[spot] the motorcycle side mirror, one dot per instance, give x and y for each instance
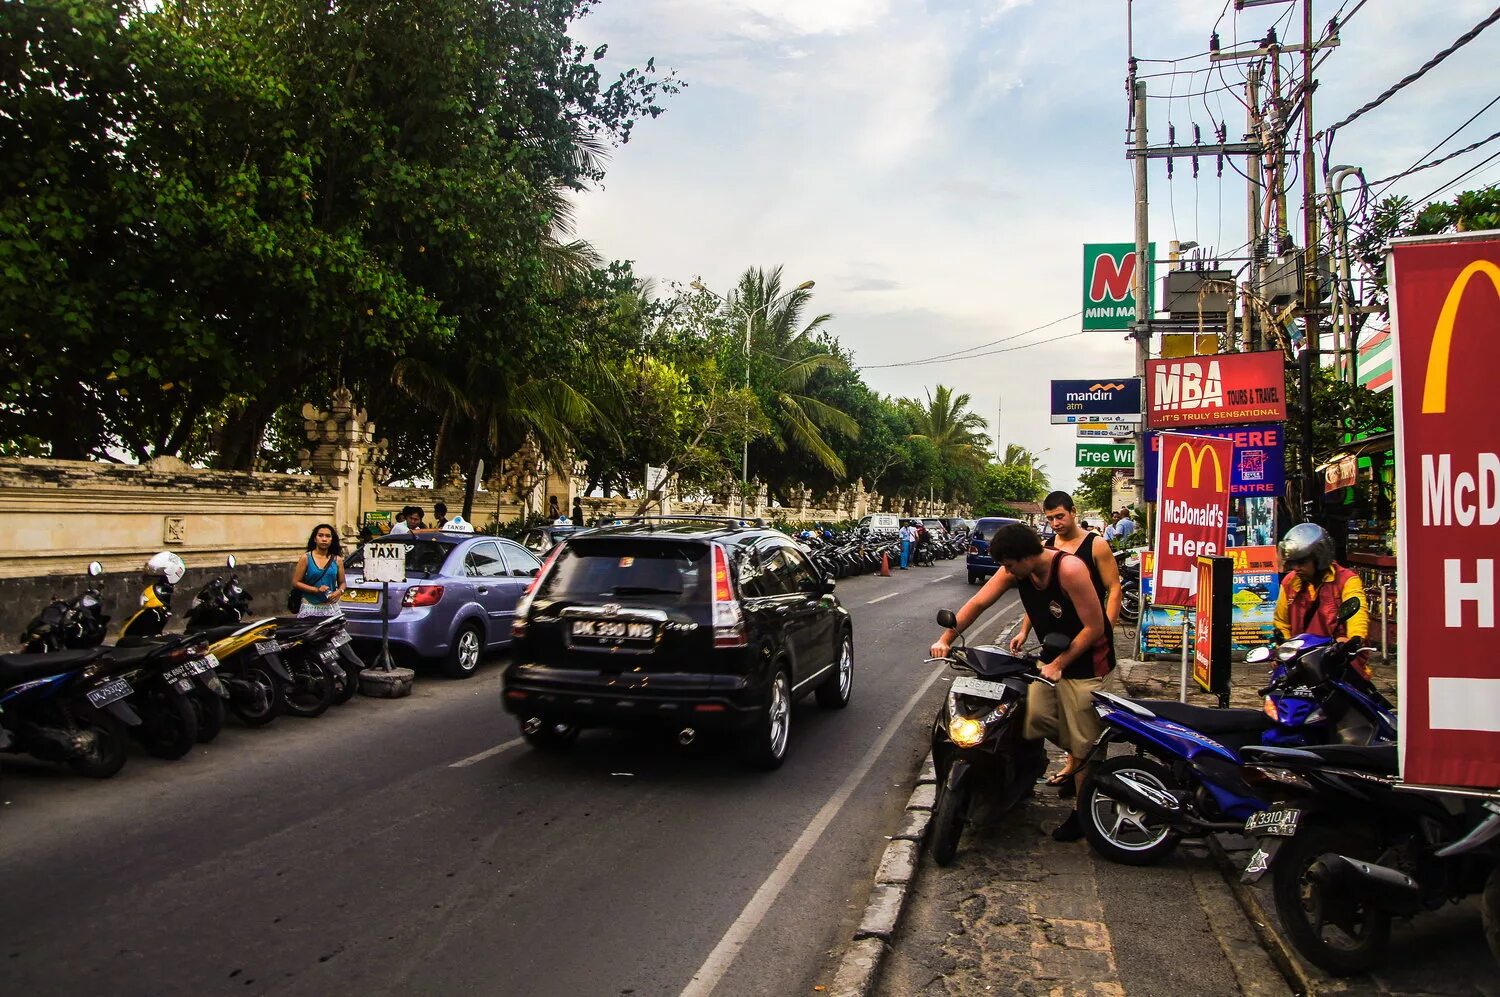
(1347, 609)
(230, 561)
(95, 569)
(1054, 644)
(1257, 655)
(946, 619)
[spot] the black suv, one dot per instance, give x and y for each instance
(691, 624)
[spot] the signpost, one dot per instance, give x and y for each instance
(1445, 297)
(1116, 399)
(1193, 520)
(1108, 273)
(1105, 455)
(1259, 468)
(385, 563)
(1211, 627)
(1218, 390)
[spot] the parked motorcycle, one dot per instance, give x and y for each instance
(62, 706)
(1185, 779)
(977, 745)
(74, 623)
(1129, 563)
(249, 658)
(1349, 848)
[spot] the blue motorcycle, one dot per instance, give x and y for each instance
(65, 707)
(1184, 777)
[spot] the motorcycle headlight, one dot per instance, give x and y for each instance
(965, 731)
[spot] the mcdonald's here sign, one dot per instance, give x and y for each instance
(1192, 519)
(1445, 311)
(1108, 284)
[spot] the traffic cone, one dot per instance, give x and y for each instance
(885, 564)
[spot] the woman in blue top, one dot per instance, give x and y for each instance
(319, 574)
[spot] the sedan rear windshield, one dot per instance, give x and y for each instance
(423, 557)
(651, 571)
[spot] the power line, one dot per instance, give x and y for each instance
(1412, 77)
(976, 356)
(1387, 181)
(965, 354)
(1458, 179)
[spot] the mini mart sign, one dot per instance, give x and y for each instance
(1105, 455)
(1108, 284)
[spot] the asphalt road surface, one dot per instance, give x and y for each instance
(417, 846)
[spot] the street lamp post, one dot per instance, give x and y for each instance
(806, 285)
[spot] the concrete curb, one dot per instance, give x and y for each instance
(1277, 946)
(859, 969)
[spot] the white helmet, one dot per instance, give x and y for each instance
(168, 565)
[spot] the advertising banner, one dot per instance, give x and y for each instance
(1259, 468)
(1108, 281)
(1211, 627)
(1193, 515)
(1106, 455)
(1106, 430)
(1116, 399)
(1445, 298)
(1220, 390)
(1253, 588)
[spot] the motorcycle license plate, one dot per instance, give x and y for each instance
(201, 665)
(339, 641)
(966, 685)
(328, 655)
(110, 692)
(1280, 823)
(267, 647)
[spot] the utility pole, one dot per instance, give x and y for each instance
(1253, 206)
(1311, 325)
(1142, 329)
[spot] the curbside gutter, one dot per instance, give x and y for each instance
(859, 969)
(1277, 946)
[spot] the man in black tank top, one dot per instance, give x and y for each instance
(1059, 595)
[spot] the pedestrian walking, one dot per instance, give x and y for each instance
(1058, 593)
(318, 576)
(908, 537)
(577, 512)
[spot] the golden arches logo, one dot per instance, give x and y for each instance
(1107, 387)
(1197, 454)
(1435, 390)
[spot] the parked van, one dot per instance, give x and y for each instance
(981, 565)
(882, 522)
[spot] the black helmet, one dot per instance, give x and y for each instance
(1306, 541)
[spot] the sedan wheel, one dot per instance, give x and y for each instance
(463, 657)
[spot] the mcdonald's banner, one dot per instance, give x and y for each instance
(1445, 311)
(1192, 518)
(1259, 460)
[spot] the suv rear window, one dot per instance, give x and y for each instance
(651, 571)
(423, 557)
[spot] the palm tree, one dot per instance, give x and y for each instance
(785, 357)
(946, 423)
(1018, 456)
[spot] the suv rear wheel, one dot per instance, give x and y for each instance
(768, 736)
(834, 692)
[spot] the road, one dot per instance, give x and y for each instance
(417, 846)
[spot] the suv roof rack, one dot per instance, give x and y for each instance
(650, 520)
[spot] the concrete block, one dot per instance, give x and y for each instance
(382, 684)
(857, 970)
(882, 912)
(928, 773)
(922, 798)
(913, 826)
(899, 863)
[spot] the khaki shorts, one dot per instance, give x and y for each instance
(1065, 715)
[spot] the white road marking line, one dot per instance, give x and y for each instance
(722, 957)
(943, 578)
(464, 763)
(883, 598)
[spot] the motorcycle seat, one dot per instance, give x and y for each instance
(212, 635)
(21, 667)
(1381, 759)
(1208, 719)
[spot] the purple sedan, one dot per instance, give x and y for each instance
(458, 600)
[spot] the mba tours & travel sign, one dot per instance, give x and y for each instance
(1108, 284)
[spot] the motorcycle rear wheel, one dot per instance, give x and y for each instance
(1362, 933)
(208, 707)
(169, 724)
(1489, 906)
(311, 690)
(108, 754)
(264, 701)
(1107, 822)
(948, 820)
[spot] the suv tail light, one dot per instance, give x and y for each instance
(729, 623)
(523, 604)
(422, 595)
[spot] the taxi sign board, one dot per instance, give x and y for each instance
(385, 562)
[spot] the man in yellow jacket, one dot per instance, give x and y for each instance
(1315, 586)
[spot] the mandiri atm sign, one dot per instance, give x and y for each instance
(1192, 518)
(1108, 284)
(1445, 312)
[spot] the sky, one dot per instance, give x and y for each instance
(936, 165)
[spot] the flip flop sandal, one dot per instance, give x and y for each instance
(1064, 783)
